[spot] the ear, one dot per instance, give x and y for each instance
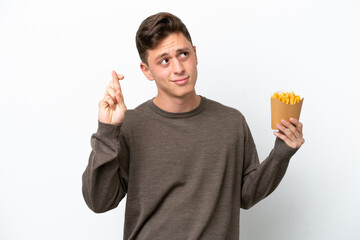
(194, 47)
(145, 69)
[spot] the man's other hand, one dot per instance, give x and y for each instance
(291, 133)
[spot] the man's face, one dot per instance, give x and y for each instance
(173, 66)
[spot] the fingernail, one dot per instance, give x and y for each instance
(278, 125)
(283, 121)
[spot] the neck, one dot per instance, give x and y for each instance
(177, 105)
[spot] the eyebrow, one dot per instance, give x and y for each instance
(177, 51)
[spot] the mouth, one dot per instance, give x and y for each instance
(181, 81)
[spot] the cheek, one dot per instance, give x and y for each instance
(165, 72)
(192, 67)
(161, 73)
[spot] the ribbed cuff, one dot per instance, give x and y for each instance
(282, 150)
(110, 130)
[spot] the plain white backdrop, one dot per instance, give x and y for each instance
(56, 59)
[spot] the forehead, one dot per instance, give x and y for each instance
(170, 44)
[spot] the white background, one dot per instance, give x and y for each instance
(56, 59)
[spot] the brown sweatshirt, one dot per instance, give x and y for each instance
(186, 175)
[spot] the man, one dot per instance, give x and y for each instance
(186, 163)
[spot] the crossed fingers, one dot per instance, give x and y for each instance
(113, 93)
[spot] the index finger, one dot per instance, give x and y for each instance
(115, 83)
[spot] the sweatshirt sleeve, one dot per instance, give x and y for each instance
(105, 179)
(259, 180)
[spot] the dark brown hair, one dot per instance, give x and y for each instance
(154, 29)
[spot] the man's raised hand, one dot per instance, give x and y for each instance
(112, 107)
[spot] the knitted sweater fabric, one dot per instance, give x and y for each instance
(186, 175)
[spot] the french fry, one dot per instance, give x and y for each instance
(287, 97)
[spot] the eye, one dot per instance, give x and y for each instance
(184, 54)
(164, 61)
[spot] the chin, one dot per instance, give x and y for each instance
(185, 94)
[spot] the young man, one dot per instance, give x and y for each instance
(186, 163)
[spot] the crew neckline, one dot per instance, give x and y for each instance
(167, 114)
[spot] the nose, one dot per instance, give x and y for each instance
(178, 67)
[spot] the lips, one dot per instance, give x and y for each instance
(181, 81)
